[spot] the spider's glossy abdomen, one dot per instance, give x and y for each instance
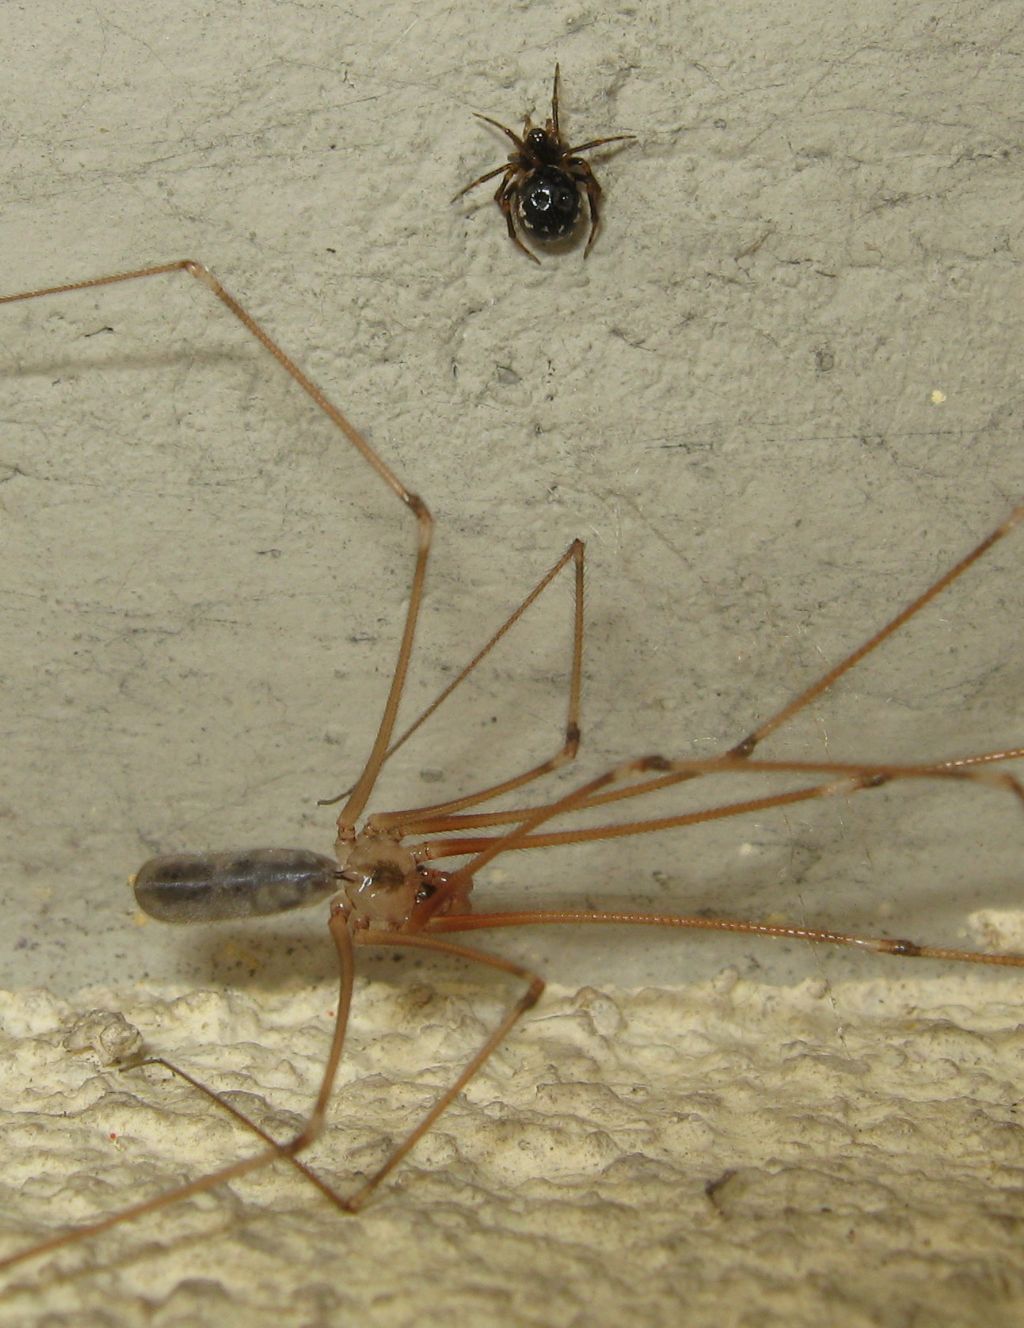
(549, 203)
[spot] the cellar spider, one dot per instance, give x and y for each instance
(386, 892)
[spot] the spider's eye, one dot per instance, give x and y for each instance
(536, 139)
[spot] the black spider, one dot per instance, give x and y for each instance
(542, 181)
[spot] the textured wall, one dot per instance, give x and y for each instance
(778, 399)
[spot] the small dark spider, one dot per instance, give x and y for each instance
(542, 181)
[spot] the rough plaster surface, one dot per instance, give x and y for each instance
(750, 1154)
(779, 398)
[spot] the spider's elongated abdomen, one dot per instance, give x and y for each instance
(212, 887)
(549, 203)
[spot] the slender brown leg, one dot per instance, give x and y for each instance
(314, 1124)
(505, 199)
(433, 820)
(680, 771)
(850, 779)
(498, 170)
(828, 679)
(396, 821)
(343, 942)
(598, 142)
(239, 1116)
(204, 275)
(504, 129)
(582, 172)
(364, 785)
(554, 105)
(724, 763)
(528, 999)
(901, 948)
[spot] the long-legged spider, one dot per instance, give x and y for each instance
(385, 892)
(542, 180)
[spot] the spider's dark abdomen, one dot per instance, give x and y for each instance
(549, 203)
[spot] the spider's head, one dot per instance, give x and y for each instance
(542, 144)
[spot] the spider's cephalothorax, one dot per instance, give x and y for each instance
(541, 184)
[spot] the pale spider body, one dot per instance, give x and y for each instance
(382, 889)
